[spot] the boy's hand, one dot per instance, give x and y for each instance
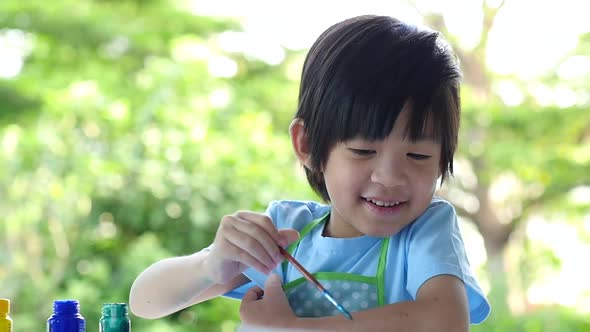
(273, 310)
(246, 239)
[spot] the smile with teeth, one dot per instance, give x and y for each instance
(382, 203)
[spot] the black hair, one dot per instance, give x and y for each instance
(358, 76)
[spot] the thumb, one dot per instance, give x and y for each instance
(272, 286)
(253, 294)
(290, 235)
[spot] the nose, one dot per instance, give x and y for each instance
(389, 172)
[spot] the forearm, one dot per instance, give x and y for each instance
(169, 285)
(404, 316)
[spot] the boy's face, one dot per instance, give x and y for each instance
(379, 187)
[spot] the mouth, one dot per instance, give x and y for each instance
(383, 203)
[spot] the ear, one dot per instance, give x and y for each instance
(299, 141)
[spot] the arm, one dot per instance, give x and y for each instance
(243, 239)
(173, 284)
(441, 305)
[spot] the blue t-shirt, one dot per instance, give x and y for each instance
(430, 246)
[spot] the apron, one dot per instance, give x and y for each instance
(353, 291)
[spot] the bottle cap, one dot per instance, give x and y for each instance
(4, 306)
(114, 309)
(65, 307)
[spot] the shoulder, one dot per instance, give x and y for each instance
(434, 247)
(440, 215)
(295, 214)
(437, 207)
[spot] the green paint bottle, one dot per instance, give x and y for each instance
(5, 320)
(115, 318)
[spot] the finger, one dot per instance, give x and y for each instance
(263, 221)
(244, 237)
(290, 235)
(237, 254)
(253, 294)
(264, 239)
(272, 286)
(246, 310)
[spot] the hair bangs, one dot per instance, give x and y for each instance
(368, 113)
(421, 123)
(370, 93)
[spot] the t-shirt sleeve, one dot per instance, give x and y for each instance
(435, 247)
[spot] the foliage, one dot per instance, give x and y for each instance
(122, 142)
(119, 147)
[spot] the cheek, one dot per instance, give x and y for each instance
(425, 177)
(343, 179)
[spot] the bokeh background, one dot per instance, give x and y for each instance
(128, 128)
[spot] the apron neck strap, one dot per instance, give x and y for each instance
(380, 266)
(304, 231)
(381, 271)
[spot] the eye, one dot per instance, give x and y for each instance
(418, 156)
(362, 152)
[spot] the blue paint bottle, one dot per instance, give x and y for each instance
(66, 317)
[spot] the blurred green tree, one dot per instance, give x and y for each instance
(128, 128)
(516, 161)
(127, 131)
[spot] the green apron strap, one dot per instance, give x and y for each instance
(380, 267)
(304, 231)
(381, 272)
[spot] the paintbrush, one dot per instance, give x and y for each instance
(315, 282)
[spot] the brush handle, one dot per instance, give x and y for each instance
(301, 269)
